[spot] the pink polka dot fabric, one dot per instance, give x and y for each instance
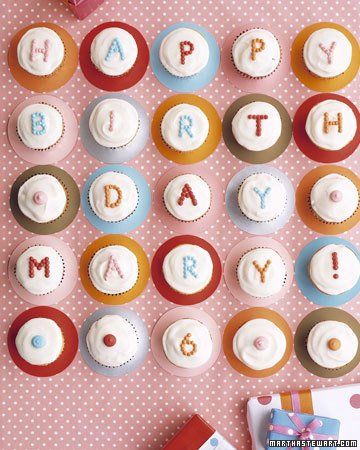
(79, 408)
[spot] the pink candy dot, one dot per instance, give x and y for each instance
(261, 343)
(264, 399)
(336, 196)
(40, 198)
(355, 401)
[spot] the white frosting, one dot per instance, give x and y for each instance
(114, 122)
(188, 268)
(266, 59)
(321, 269)
(114, 269)
(40, 126)
(51, 204)
(262, 197)
(333, 139)
(50, 56)
(178, 201)
(178, 345)
(245, 129)
(39, 341)
(128, 199)
(318, 61)
(318, 344)
(125, 342)
(185, 127)
(259, 344)
(113, 51)
(40, 282)
(250, 278)
(323, 204)
(194, 59)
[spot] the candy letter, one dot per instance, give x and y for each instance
(262, 270)
(187, 193)
(38, 124)
(34, 50)
(258, 118)
(111, 121)
(186, 48)
(262, 195)
(114, 48)
(328, 123)
(328, 51)
(185, 125)
(185, 343)
(113, 265)
(257, 45)
(189, 266)
(44, 263)
(112, 187)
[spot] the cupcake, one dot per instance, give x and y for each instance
(256, 53)
(259, 344)
(187, 197)
(184, 52)
(185, 127)
(334, 198)
(262, 197)
(40, 341)
(114, 123)
(187, 343)
(257, 126)
(112, 341)
(261, 272)
(114, 270)
(113, 51)
(331, 125)
(188, 269)
(42, 198)
(332, 344)
(40, 126)
(40, 51)
(40, 269)
(113, 196)
(334, 269)
(327, 53)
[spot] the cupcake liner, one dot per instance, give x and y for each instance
(133, 220)
(204, 222)
(308, 288)
(192, 83)
(303, 206)
(250, 156)
(143, 342)
(70, 271)
(50, 82)
(204, 150)
(121, 154)
(303, 331)
(240, 319)
(114, 83)
(70, 341)
(306, 145)
(243, 81)
(61, 148)
(238, 217)
(169, 318)
(167, 291)
(232, 262)
(313, 81)
(72, 205)
(143, 275)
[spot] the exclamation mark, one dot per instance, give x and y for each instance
(335, 264)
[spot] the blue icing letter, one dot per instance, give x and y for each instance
(38, 341)
(262, 195)
(185, 125)
(38, 123)
(189, 266)
(115, 47)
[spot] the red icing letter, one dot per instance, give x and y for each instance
(258, 118)
(45, 262)
(185, 52)
(187, 193)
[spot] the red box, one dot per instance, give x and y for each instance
(192, 436)
(82, 8)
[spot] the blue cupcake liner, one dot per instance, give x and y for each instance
(304, 282)
(131, 222)
(186, 84)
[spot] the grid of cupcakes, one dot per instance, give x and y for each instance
(327, 128)
(42, 57)
(325, 57)
(114, 56)
(185, 57)
(256, 128)
(254, 59)
(186, 129)
(327, 199)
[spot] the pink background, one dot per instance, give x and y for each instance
(78, 408)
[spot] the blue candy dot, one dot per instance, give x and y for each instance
(214, 442)
(38, 341)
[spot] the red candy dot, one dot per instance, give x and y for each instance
(109, 340)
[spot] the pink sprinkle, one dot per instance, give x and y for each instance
(336, 196)
(113, 265)
(261, 343)
(328, 51)
(42, 50)
(40, 198)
